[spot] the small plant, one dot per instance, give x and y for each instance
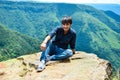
(116, 75)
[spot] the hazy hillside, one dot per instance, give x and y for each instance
(108, 7)
(14, 44)
(113, 15)
(96, 32)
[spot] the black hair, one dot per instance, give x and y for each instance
(66, 20)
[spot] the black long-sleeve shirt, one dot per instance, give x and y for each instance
(63, 40)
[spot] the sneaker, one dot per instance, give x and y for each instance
(41, 66)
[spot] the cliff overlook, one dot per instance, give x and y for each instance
(95, 27)
(81, 66)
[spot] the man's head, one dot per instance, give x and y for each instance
(66, 23)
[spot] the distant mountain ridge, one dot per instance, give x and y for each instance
(113, 15)
(96, 32)
(107, 7)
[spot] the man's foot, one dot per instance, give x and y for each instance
(41, 66)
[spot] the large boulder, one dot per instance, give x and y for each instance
(81, 66)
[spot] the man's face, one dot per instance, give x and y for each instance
(66, 27)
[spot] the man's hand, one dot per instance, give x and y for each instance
(73, 50)
(43, 46)
(73, 53)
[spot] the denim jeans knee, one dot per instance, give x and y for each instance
(69, 52)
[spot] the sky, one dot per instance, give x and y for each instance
(77, 1)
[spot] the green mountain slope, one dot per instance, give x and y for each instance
(102, 17)
(95, 36)
(96, 32)
(13, 44)
(28, 18)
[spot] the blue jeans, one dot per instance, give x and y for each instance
(53, 52)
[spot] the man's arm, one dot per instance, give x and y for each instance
(51, 35)
(43, 45)
(72, 43)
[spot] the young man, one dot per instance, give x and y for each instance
(57, 48)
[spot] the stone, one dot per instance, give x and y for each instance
(81, 66)
(2, 72)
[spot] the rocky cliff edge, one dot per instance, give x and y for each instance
(81, 66)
